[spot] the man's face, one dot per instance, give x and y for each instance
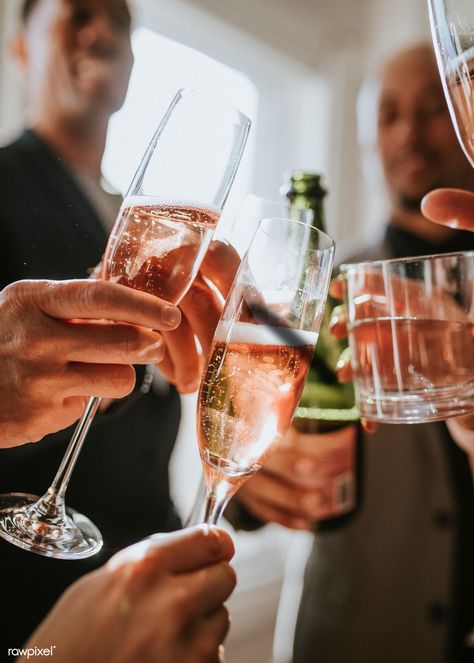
(416, 139)
(79, 56)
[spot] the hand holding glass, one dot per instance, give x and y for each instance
(156, 245)
(261, 353)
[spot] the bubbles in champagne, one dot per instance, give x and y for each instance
(249, 393)
(157, 246)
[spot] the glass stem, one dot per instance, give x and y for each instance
(53, 501)
(217, 498)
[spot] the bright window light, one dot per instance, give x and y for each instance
(161, 67)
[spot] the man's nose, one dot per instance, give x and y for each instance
(410, 128)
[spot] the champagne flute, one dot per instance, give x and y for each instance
(158, 241)
(244, 226)
(260, 354)
(452, 29)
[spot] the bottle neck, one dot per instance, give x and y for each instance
(300, 201)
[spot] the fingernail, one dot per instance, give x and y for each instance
(337, 315)
(214, 537)
(344, 359)
(171, 315)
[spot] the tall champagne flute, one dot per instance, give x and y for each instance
(260, 354)
(244, 226)
(158, 241)
(452, 28)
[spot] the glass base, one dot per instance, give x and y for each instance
(69, 535)
(403, 408)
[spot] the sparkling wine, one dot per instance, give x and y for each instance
(249, 393)
(424, 361)
(461, 89)
(157, 246)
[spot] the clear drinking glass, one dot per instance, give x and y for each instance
(251, 211)
(160, 236)
(412, 337)
(260, 354)
(452, 28)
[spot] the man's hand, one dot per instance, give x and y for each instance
(454, 208)
(56, 350)
(159, 600)
(201, 309)
(296, 484)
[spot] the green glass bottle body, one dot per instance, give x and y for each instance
(326, 405)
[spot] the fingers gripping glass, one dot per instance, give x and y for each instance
(260, 355)
(158, 241)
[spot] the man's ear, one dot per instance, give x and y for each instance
(18, 50)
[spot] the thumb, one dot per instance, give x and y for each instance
(178, 552)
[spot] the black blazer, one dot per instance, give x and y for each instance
(48, 229)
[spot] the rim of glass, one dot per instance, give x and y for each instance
(204, 97)
(346, 267)
(274, 203)
(331, 243)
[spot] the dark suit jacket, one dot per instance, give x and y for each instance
(48, 229)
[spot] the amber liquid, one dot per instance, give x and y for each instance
(421, 369)
(248, 396)
(157, 246)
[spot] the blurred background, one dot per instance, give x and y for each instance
(296, 68)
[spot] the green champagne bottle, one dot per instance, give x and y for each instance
(327, 405)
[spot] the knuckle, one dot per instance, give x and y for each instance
(120, 380)
(13, 293)
(93, 294)
(134, 341)
(35, 346)
(198, 299)
(89, 295)
(183, 606)
(183, 601)
(33, 388)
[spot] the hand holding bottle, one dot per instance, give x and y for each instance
(307, 478)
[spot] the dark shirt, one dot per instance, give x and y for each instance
(401, 244)
(50, 230)
(395, 583)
